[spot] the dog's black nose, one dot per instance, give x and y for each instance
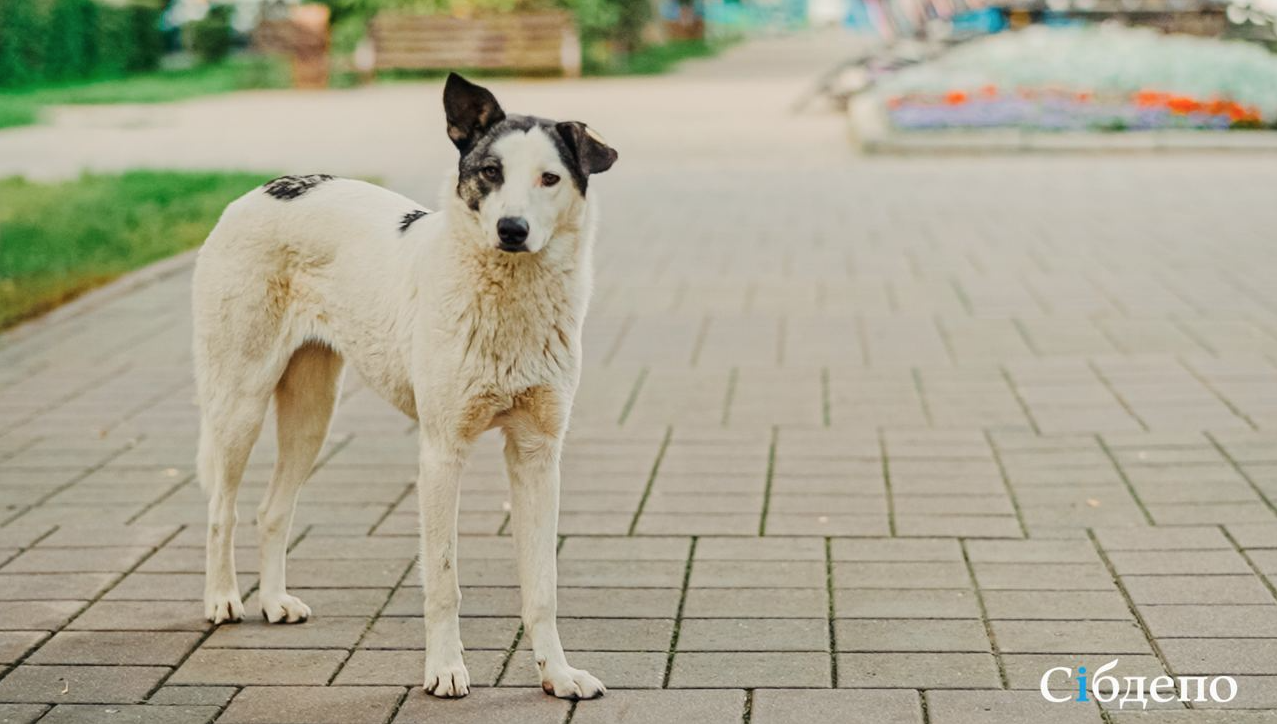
(513, 232)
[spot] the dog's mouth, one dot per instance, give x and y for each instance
(513, 248)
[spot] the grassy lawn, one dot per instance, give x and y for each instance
(59, 240)
(22, 107)
(656, 59)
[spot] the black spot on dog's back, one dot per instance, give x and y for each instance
(411, 217)
(286, 188)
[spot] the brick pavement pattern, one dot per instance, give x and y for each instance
(858, 439)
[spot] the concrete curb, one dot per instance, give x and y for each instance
(872, 132)
(99, 296)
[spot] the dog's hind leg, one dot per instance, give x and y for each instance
(304, 402)
(532, 458)
(438, 491)
(228, 430)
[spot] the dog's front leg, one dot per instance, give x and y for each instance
(533, 462)
(438, 486)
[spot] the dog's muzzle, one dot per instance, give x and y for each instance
(513, 233)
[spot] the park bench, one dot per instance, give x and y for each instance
(529, 42)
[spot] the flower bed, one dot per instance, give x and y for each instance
(1089, 78)
(1060, 109)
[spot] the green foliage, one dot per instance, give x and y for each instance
(22, 37)
(44, 41)
(212, 37)
(62, 239)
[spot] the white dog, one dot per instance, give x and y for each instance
(465, 320)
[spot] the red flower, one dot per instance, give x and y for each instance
(1182, 105)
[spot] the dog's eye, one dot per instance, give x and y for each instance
(491, 173)
(549, 179)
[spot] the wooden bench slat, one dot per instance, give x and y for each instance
(520, 41)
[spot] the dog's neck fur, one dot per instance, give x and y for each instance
(516, 312)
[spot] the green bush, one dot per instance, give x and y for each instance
(212, 37)
(43, 41)
(22, 25)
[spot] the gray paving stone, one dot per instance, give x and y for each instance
(1009, 707)
(659, 707)
(900, 575)
(313, 704)
(116, 648)
(1025, 671)
(896, 549)
(615, 603)
(409, 633)
(616, 669)
(1220, 656)
(753, 634)
(147, 536)
(611, 634)
(21, 713)
(142, 616)
(917, 671)
(135, 714)
(771, 548)
(483, 706)
(1057, 605)
(744, 574)
(1069, 637)
(1211, 621)
(738, 669)
(1193, 717)
(627, 549)
(279, 667)
(79, 684)
(1043, 576)
(1031, 551)
(1204, 590)
(779, 706)
(756, 603)
(408, 668)
(76, 560)
(1178, 563)
(906, 603)
(37, 615)
(15, 644)
(901, 635)
(319, 632)
(193, 696)
(53, 586)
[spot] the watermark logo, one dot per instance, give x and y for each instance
(1103, 687)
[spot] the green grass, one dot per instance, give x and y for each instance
(22, 107)
(62, 239)
(655, 59)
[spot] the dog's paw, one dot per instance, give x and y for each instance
(284, 609)
(223, 608)
(570, 683)
(447, 681)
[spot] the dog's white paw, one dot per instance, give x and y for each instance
(448, 681)
(570, 683)
(223, 607)
(284, 608)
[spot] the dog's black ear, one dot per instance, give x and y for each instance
(591, 152)
(471, 110)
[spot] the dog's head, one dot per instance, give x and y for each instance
(521, 177)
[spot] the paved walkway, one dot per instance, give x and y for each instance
(859, 440)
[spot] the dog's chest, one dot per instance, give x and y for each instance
(511, 342)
